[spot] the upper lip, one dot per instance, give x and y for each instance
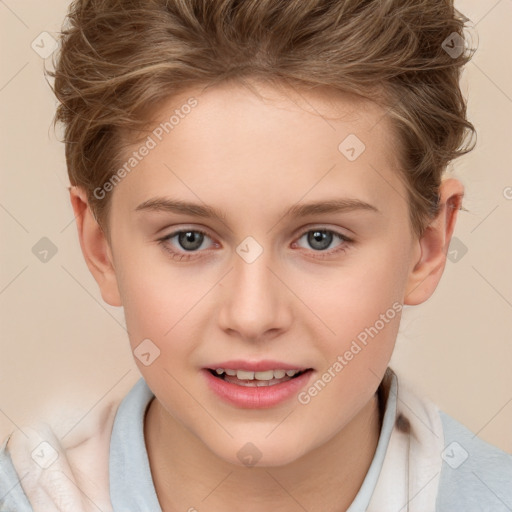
(256, 366)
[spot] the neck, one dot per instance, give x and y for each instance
(327, 479)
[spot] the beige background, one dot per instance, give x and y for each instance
(63, 349)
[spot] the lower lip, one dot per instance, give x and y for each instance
(256, 397)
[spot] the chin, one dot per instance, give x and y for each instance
(260, 454)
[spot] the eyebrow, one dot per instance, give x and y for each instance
(164, 204)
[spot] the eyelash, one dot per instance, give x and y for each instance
(186, 256)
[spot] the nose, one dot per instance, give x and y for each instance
(255, 303)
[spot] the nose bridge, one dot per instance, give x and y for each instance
(254, 302)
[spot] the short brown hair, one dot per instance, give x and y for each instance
(119, 59)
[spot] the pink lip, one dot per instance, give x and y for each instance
(256, 397)
(256, 366)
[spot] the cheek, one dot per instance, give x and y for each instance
(365, 319)
(166, 306)
(360, 306)
(355, 294)
(157, 295)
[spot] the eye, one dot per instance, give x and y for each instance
(320, 240)
(184, 244)
(187, 241)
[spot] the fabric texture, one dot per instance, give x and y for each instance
(476, 475)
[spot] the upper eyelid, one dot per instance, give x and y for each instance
(321, 227)
(343, 238)
(175, 233)
(301, 231)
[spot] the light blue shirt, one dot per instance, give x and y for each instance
(482, 483)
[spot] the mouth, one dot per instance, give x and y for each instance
(257, 378)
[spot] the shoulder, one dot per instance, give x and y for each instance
(66, 463)
(12, 497)
(43, 469)
(474, 474)
(469, 473)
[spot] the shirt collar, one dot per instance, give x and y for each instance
(387, 390)
(131, 483)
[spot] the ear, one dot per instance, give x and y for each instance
(433, 245)
(95, 247)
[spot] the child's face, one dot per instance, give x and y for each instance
(295, 303)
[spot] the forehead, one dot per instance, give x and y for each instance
(282, 142)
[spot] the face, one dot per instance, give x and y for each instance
(271, 280)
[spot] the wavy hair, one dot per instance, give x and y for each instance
(120, 59)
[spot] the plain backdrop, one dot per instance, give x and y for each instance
(64, 349)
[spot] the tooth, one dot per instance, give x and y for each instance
(243, 375)
(264, 376)
(267, 375)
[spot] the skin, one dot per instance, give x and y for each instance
(252, 156)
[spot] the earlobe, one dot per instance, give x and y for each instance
(426, 272)
(95, 247)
